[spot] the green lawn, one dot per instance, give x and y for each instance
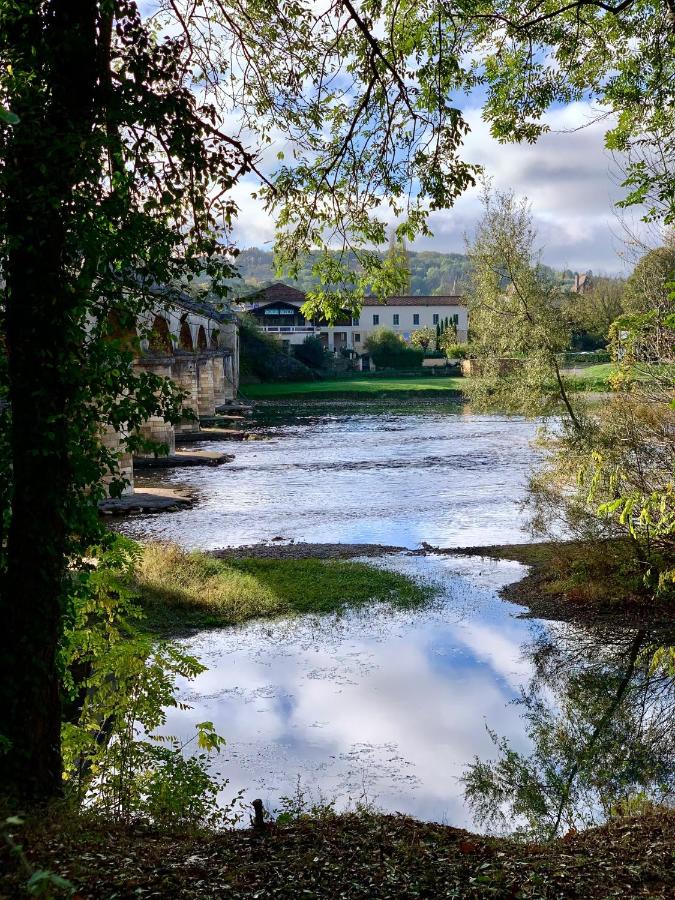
(592, 378)
(364, 385)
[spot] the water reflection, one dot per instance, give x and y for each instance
(384, 704)
(600, 714)
(563, 724)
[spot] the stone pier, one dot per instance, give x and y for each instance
(197, 347)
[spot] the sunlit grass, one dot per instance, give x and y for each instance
(179, 589)
(364, 385)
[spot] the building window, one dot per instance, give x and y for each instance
(355, 322)
(376, 320)
(395, 318)
(455, 319)
(435, 319)
(416, 318)
(357, 338)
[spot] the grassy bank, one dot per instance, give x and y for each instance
(582, 581)
(192, 590)
(368, 385)
(593, 378)
(350, 857)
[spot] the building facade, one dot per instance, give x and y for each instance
(277, 310)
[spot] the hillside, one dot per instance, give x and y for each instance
(431, 272)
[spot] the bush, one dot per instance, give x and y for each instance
(456, 351)
(261, 356)
(118, 684)
(389, 351)
(586, 359)
(311, 352)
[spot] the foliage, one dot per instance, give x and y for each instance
(119, 684)
(515, 313)
(389, 351)
(311, 352)
(181, 589)
(447, 339)
(647, 294)
(117, 168)
(591, 314)
(423, 338)
(261, 356)
(617, 479)
(455, 351)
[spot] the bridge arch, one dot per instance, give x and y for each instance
(185, 337)
(202, 343)
(159, 339)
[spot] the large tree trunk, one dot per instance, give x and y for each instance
(43, 167)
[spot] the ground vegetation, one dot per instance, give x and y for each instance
(355, 856)
(181, 590)
(389, 350)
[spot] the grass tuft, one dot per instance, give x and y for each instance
(179, 589)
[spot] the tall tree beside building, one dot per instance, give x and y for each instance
(400, 259)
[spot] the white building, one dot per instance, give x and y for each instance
(277, 311)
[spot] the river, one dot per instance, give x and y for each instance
(385, 707)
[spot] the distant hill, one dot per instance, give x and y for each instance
(431, 273)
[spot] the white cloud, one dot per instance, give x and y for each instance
(568, 176)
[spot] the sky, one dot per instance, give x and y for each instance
(571, 181)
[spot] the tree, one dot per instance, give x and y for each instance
(104, 193)
(116, 168)
(448, 338)
(400, 259)
(591, 314)
(515, 312)
(423, 338)
(115, 179)
(311, 352)
(648, 293)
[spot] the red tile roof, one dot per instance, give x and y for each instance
(453, 300)
(278, 292)
(275, 293)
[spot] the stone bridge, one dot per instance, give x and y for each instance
(197, 347)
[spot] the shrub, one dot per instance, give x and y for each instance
(389, 351)
(262, 356)
(456, 351)
(423, 338)
(118, 684)
(311, 352)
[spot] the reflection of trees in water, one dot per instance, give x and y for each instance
(600, 713)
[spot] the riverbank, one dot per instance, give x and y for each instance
(349, 856)
(589, 379)
(566, 581)
(179, 590)
(576, 581)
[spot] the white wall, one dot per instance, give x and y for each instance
(358, 334)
